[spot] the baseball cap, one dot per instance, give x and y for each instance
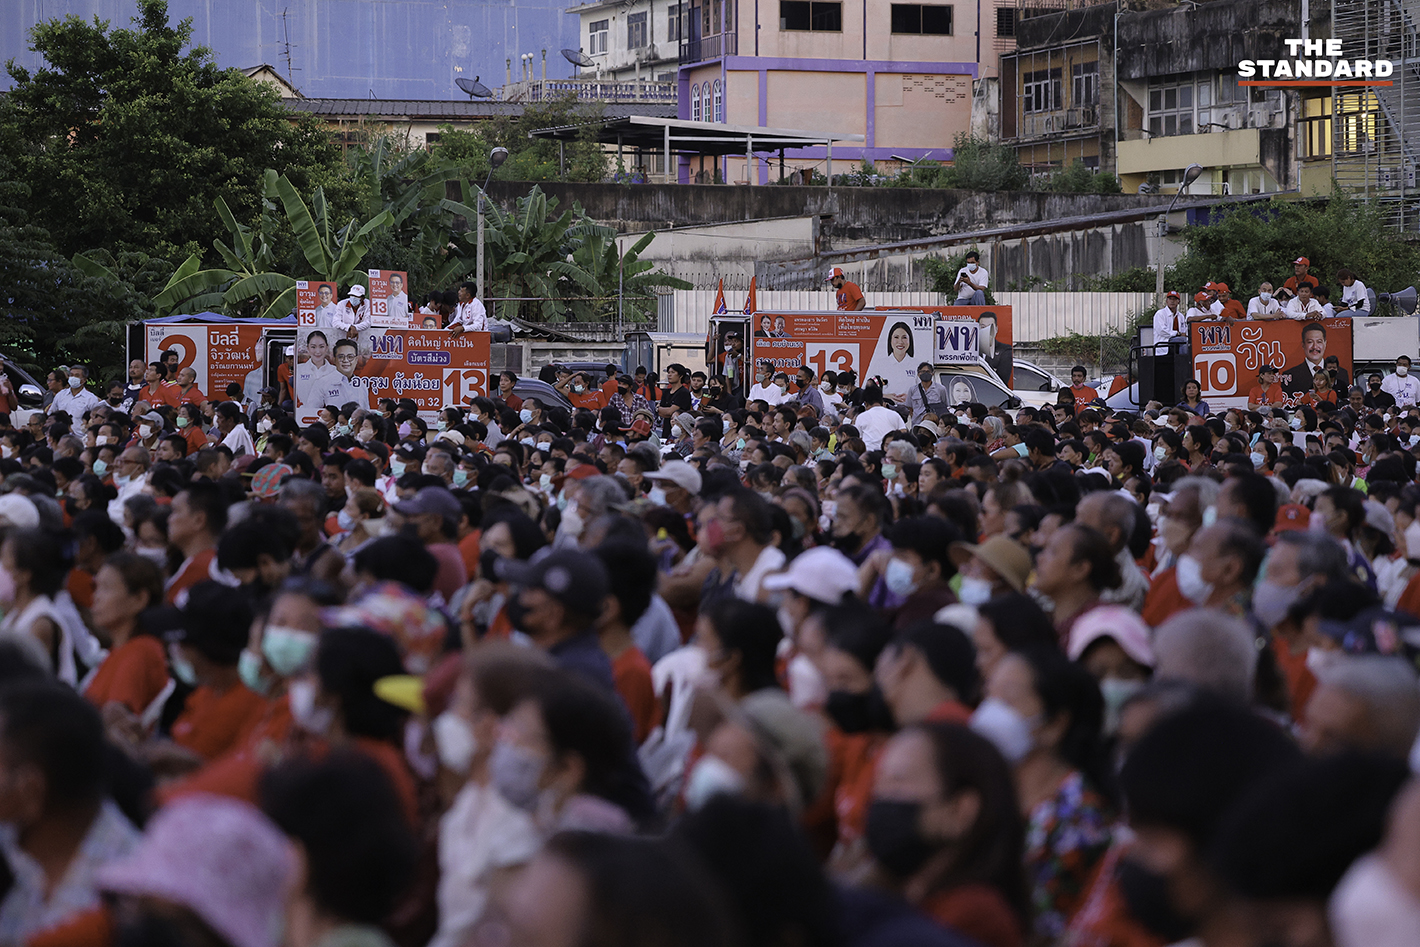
(833, 273)
(200, 838)
(1121, 624)
(1221, 288)
(1199, 297)
(431, 500)
(357, 290)
(1292, 516)
(290, 350)
(216, 621)
(822, 574)
(19, 511)
(680, 473)
(452, 437)
(1267, 368)
(1375, 630)
(1172, 292)
(266, 483)
(1006, 557)
(1302, 260)
(576, 579)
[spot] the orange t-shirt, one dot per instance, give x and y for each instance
(1273, 395)
(1300, 680)
(978, 911)
(191, 572)
(849, 296)
(133, 674)
(167, 394)
(855, 787)
(1409, 601)
(212, 724)
(1164, 599)
(283, 378)
(92, 928)
(237, 772)
(193, 395)
(1083, 394)
(469, 548)
(632, 674)
(1103, 919)
(81, 587)
(196, 438)
(1232, 309)
(593, 399)
(1291, 284)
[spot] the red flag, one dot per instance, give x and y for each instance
(751, 302)
(719, 299)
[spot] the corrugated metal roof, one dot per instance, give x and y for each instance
(411, 110)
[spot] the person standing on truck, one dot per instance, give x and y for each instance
(1402, 386)
(1299, 277)
(1169, 323)
(971, 281)
(469, 315)
(849, 296)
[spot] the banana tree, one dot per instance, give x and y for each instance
(627, 282)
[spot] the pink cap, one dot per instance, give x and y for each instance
(1121, 624)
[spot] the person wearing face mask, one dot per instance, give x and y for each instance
(75, 398)
(360, 520)
(738, 533)
(1377, 399)
(971, 281)
(817, 579)
(858, 523)
(998, 566)
(135, 672)
(766, 389)
(1377, 901)
(943, 833)
(1264, 306)
(564, 755)
(1180, 517)
(1402, 386)
(911, 580)
(1113, 644)
(1220, 567)
(1044, 714)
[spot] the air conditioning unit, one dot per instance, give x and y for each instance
(1087, 116)
(1072, 118)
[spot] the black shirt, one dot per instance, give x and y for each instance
(680, 399)
(1380, 400)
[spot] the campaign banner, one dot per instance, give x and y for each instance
(389, 299)
(219, 354)
(1227, 356)
(994, 336)
(429, 366)
(313, 298)
(874, 344)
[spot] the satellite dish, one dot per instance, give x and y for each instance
(578, 58)
(474, 88)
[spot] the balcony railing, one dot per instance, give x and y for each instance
(714, 46)
(591, 90)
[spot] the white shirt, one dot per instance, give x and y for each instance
(238, 441)
(310, 381)
(1356, 292)
(471, 315)
(769, 393)
(343, 316)
(980, 278)
(1216, 307)
(481, 835)
(771, 559)
(1405, 391)
(876, 423)
(1256, 307)
(74, 402)
(397, 308)
(1195, 314)
(1295, 309)
(1168, 324)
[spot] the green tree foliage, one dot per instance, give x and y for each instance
(942, 274)
(125, 136)
(1244, 245)
(1079, 179)
(529, 159)
(981, 165)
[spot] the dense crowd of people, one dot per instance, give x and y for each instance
(803, 667)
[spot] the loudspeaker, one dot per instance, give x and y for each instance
(1161, 377)
(1403, 300)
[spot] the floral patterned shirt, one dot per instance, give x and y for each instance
(1066, 835)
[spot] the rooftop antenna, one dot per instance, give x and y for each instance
(474, 88)
(286, 48)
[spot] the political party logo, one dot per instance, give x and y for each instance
(1315, 62)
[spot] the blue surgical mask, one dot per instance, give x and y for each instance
(287, 649)
(100, 468)
(889, 471)
(182, 667)
(249, 670)
(525, 415)
(460, 477)
(397, 469)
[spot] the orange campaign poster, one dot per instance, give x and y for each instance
(993, 337)
(219, 354)
(313, 298)
(429, 366)
(389, 299)
(1227, 356)
(886, 344)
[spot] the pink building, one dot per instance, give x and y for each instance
(900, 74)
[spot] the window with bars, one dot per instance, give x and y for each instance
(719, 103)
(1171, 109)
(597, 33)
(1042, 90)
(1005, 21)
(1316, 127)
(635, 31)
(695, 103)
(675, 16)
(919, 18)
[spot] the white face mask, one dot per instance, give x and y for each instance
(972, 267)
(1190, 580)
(308, 716)
(1402, 370)
(74, 382)
(145, 431)
(711, 777)
(974, 591)
(827, 388)
(1265, 297)
(454, 739)
(1319, 660)
(1004, 726)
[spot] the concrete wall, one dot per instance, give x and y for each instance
(854, 216)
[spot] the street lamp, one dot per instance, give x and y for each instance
(496, 157)
(1190, 174)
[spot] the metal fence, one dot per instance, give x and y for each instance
(1034, 316)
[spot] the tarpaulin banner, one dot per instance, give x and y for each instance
(429, 366)
(1228, 354)
(993, 336)
(219, 354)
(874, 344)
(313, 298)
(389, 299)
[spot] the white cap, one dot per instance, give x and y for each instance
(290, 350)
(822, 574)
(19, 511)
(357, 290)
(679, 473)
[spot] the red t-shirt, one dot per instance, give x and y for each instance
(193, 395)
(977, 910)
(212, 724)
(451, 575)
(632, 674)
(1083, 394)
(849, 296)
(192, 571)
(1273, 395)
(167, 394)
(1164, 599)
(133, 675)
(1232, 309)
(81, 587)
